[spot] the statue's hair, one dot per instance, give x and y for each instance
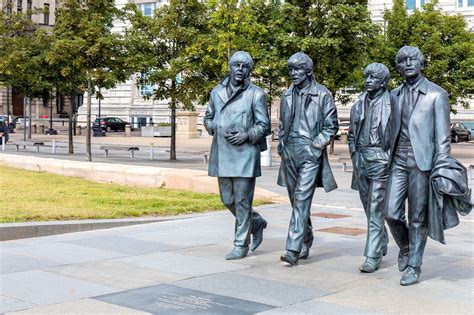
(241, 56)
(411, 51)
(300, 58)
(378, 70)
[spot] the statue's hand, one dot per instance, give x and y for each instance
(237, 138)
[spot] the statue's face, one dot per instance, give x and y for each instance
(239, 71)
(299, 75)
(409, 67)
(373, 83)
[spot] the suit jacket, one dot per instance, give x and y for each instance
(355, 127)
(321, 113)
(246, 109)
(428, 126)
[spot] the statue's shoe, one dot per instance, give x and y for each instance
(370, 264)
(410, 276)
(257, 237)
(403, 257)
(290, 257)
(305, 250)
(238, 252)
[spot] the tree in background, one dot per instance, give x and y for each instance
(446, 45)
(88, 56)
(157, 47)
(23, 64)
(253, 26)
(337, 34)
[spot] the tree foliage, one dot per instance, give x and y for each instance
(444, 41)
(23, 65)
(158, 45)
(337, 34)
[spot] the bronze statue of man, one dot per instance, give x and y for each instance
(237, 118)
(369, 145)
(419, 131)
(308, 121)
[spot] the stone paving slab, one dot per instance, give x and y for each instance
(65, 253)
(116, 274)
(258, 290)
(13, 262)
(124, 245)
(81, 307)
(9, 304)
(43, 288)
(168, 299)
(180, 264)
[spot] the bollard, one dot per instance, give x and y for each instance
(266, 156)
(78, 130)
(128, 130)
(152, 153)
(18, 126)
(41, 129)
(33, 128)
(53, 150)
(3, 143)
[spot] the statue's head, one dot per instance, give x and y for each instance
(240, 66)
(409, 61)
(376, 77)
(300, 67)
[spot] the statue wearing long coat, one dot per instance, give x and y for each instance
(245, 109)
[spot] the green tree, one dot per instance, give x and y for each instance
(253, 26)
(23, 64)
(157, 45)
(337, 34)
(87, 55)
(445, 42)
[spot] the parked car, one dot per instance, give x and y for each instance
(3, 117)
(470, 126)
(275, 132)
(109, 123)
(343, 130)
(460, 132)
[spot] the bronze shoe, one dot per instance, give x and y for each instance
(238, 252)
(370, 264)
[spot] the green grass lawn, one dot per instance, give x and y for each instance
(38, 196)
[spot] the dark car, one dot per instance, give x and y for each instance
(459, 132)
(3, 131)
(470, 126)
(109, 123)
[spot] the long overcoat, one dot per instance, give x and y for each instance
(428, 126)
(321, 115)
(357, 121)
(245, 109)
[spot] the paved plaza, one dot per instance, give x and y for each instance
(178, 266)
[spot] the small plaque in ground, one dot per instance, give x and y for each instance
(343, 230)
(328, 215)
(169, 299)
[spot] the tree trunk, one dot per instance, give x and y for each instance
(70, 134)
(88, 121)
(173, 123)
(25, 114)
(29, 118)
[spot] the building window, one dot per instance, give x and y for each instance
(147, 8)
(465, 3)
(19, 6)
(145, 88)
(29, 7)
(46, 14)
(9, 7)
(415, 4)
